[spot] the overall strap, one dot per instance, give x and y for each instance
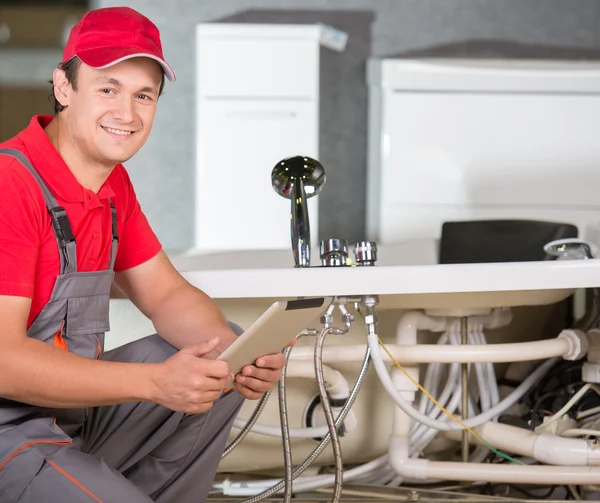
(115, 235)
(60, 221)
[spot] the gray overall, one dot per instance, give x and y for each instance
(130, 453)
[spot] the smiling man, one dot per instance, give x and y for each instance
(149, 420)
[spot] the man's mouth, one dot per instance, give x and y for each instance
(120, 132)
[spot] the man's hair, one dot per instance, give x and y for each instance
(71, 69)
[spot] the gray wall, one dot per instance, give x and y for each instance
(163, 172)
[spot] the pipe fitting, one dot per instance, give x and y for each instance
(578, 341)
(421, 469)
(545, 448)
(552, 450)
(347, 317)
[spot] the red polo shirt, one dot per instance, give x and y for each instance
(29, 259)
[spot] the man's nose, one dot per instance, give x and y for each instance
(124, 109)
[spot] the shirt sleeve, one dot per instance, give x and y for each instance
(137, 241)
(22, 213)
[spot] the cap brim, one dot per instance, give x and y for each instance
(107, 57)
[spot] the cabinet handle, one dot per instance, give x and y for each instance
(4, 33)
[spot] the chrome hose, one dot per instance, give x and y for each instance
(285, 432)
(253, 418)
(343, 413)
(335, 441)
(259, 407)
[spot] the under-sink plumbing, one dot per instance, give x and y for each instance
(299, 178)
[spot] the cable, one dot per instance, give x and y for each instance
(422, 435)
(525, 492)
(584, 389)
(274, 431)
(588, 412)
(434, 424)
(580, 432)
(385, 379)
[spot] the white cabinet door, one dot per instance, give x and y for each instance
(238, 144)
(250, 67)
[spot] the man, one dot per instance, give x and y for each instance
(149, 420)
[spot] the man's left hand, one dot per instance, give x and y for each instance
(255, 380)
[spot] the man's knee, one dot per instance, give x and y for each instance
(151, 349)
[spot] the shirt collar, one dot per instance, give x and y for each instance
(52, 167)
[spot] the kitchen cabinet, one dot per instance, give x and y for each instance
(257, 101)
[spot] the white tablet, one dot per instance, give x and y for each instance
(273, 331)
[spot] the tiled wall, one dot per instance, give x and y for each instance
(163, 171)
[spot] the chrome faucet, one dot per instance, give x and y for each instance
(571, 249)
(298, 179)
(578, 249)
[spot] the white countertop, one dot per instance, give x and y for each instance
(417, 283)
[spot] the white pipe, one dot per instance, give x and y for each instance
(302, 483)
(484, 417)
(545, 448)
(335, 383)
(336, 386)
(406, 334)
(421, 469)
(433, 353)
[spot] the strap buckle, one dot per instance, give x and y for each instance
(62, 226)
(115, 226)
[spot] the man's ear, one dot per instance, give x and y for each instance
(62, 86)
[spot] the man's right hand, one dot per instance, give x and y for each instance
(188, 383)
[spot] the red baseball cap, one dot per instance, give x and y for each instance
(105, 37)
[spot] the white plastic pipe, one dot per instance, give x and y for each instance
(422, 469)
(303, 483)
(336, 386)
(335, 383)
(433, 353)
(545, 448)
(406, 334)
(486, 416)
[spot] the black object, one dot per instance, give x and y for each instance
(480, 241)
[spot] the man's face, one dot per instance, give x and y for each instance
(110, 115)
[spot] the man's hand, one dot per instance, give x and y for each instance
(189, 383)
(255, 380)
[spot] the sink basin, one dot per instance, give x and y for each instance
(406, 277)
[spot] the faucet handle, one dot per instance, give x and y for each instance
(365, 253)
(334, 252)
(571, 248)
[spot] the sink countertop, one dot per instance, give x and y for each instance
(416, 281)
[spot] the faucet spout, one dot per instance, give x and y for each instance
(298, 179)
(300, 225)
(571, 249)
